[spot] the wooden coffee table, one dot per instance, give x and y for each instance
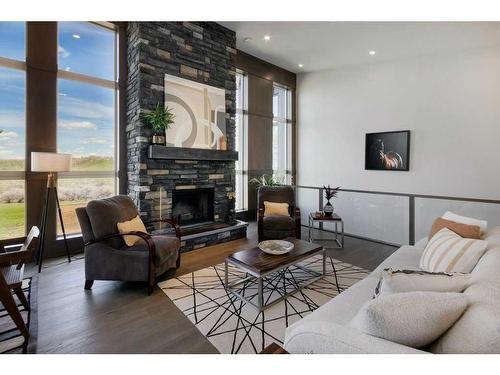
(259, 265)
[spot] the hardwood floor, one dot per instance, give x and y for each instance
(117, 317)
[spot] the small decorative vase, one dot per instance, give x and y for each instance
(158, 139)
(328, 209)
(222, 142)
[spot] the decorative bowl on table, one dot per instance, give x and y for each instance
(276, 247)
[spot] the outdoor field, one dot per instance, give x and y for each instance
(73, 193)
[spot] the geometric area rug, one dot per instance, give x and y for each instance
(234, 326)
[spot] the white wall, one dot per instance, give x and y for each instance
(451, 104)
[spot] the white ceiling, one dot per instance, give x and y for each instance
(330, 45)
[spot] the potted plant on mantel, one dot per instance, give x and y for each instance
(329, 194)
(159, 120)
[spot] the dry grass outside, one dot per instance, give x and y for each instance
(73, 193)
(76, 193)
(71, 224)
(12, 219)
(86, 163)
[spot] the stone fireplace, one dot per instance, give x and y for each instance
(160, 177)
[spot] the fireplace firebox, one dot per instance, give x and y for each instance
(193, 206)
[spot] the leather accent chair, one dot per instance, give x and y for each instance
(278, 227)
(107, 257)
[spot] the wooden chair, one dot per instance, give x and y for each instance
(11, 278)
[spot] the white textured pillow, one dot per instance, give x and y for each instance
(476, 332)
(482, 224)
(448, 252)
(401, 281)
(413, 319)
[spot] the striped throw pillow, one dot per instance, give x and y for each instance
(449, 252)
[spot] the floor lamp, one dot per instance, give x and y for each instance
(50, 162)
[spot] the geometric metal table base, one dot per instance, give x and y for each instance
(282, 274)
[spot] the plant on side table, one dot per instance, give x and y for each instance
(329, 194)
(159, 120)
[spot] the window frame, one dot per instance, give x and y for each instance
(18, 65)
(104, 83)
(242, 147)
(288, 142)
(45, 61)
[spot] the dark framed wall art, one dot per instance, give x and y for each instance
(388, 151)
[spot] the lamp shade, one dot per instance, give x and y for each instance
(50, 162)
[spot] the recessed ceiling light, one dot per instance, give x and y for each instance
(247, 39)
(301, 65)
(371, 53)
(76, 36)
(267, 38)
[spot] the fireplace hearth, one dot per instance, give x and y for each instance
(194, 211)
(193, 206)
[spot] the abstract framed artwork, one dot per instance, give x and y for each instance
(388, 151)
(200, 114)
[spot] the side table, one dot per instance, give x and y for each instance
(339, 235)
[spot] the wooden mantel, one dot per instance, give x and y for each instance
(184, 153)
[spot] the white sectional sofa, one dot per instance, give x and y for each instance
(477, 331)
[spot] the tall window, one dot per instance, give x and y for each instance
(241, 142)
(282, 134)
(87, 115)
(12, 128)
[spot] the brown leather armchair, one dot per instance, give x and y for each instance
(106, 255)
(278, 227)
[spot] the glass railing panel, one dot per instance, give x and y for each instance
(427, 210)
(374, 216)
(379, 217)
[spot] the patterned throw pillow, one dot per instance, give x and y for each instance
(449, 252)
(401, 281)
